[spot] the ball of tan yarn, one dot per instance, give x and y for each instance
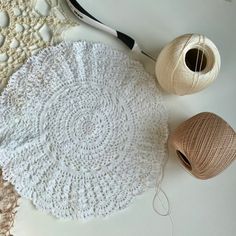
(205, 145)
(188, 64)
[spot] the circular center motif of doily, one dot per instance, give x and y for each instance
(81, 124)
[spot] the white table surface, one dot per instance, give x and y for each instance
(199, 208)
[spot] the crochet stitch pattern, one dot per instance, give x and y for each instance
(21, 36)
(84, 130)
(8, 204)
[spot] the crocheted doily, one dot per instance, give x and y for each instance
(25, 27)
(83, 130)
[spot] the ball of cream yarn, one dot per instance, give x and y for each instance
(188, 64)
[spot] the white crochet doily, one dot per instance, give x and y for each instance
(82, 130)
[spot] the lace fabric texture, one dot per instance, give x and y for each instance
(24, 30)
(83, 130)
(8, 203)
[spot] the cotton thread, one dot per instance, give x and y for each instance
(188, 64)
(205, 145)
(156, 195)
(196, 81)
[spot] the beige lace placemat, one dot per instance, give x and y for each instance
(8, 204)
(25, 30)
(26, 26)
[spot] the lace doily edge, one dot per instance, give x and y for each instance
(85, 216)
